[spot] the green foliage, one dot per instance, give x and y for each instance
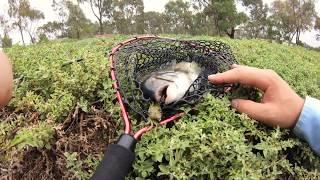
(284, 19)
(43, 38)
(6, 41)
(76, 165)
(8, 128)
(258, 22)
(218, 143)
(223, 13)
(128, 16)
(38, 136)
(178, 17)
(100, 9)
(52, 86)
(214, 143)
(77, 24)
(50, 29)
(153, 22)
(317, 27)
(22, 15)
(53, 90)
(293, 17)
(298, 66)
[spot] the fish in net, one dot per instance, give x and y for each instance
(138, 58)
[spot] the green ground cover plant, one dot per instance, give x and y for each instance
(63, 115)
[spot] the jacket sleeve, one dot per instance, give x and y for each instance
(308, 125)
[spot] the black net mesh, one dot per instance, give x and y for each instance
(135, 60)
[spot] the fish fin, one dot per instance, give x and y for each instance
(188, 67)
(169, 76)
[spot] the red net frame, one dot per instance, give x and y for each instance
(124, 110)
(126, 120)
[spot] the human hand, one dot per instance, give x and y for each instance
(280, 105)
(6, 80)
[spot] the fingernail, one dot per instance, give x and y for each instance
(234, 66)
(211, 76)
(234, 104)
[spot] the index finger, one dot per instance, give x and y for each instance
(244, 75)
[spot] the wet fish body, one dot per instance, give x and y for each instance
(170, 86)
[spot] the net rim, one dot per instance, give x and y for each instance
(113, 71)
(115, 84)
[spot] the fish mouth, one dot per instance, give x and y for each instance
(162, 94)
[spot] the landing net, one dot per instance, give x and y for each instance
(137, 58)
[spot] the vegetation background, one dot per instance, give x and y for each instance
(281, 20)
(63, 114)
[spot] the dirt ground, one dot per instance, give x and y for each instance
(83, 133)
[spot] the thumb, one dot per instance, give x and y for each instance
(254, 110)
